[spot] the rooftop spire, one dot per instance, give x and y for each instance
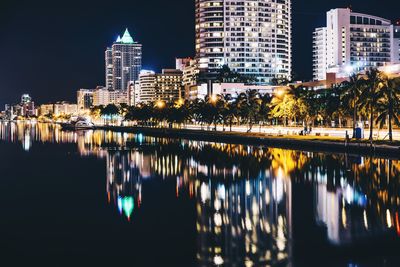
(127, 38)
(118, 39)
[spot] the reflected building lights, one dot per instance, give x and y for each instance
(242, 194)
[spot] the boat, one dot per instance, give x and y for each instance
(83, 125)
(79, 125)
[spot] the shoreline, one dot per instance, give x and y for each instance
(304, 143)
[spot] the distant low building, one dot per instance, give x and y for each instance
(58, 109)
(101, 96)
(65, 108)
(46, 109)
(26, 108)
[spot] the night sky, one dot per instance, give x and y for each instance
(50, 49)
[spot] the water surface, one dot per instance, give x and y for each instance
(98, 198)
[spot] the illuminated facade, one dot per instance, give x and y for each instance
(84, 99)
(251, 37)
(319, 54)
(396, 43)
(104, 97)
(123, 62)
(166, 86)
(46, 109)
(191, 71)
(59, 108)
(169, 85)
(223, 89)
(146, 87)
(65, 108)
(27, 106)
(353, 42)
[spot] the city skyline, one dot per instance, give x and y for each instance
(65, 35)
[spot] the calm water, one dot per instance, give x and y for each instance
(100, 198)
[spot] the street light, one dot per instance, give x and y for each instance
(280, 92)
(213, 98)
(180, 102)
(160, 104)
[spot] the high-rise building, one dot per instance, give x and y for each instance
(251, 37)
(319, 53)
(109, 68)
(353, 42)
(396, 42)
(123, 62)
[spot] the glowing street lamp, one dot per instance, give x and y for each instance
(280, 92)
(180, 102)
(160, 104)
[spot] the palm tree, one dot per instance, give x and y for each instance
(124, 108)
(282, 106)
(388, 104)
(265, 108)
(96, 111)
(290, 104)
(249, 104)
(110, 111)
(214, 109)
(253, 106)
(331, 104)
(351, 96)
(197, 111)
(225, 111)
(369, 97)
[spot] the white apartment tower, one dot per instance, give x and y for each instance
(396, 42)
(353, 42)
(252, 37)
(146, 87)
(123, 62)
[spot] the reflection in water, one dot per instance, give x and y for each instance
(242, 194)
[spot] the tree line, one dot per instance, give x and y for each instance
(372, 97)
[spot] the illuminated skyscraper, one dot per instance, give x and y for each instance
(353, 42)
(251, 37)
(123, 62)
